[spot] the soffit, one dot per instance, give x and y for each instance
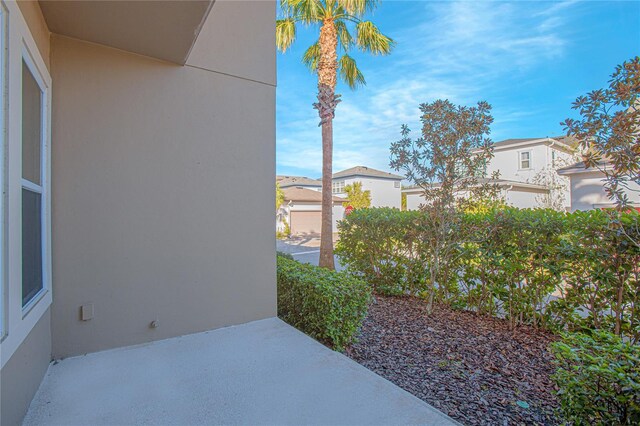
(160, 29)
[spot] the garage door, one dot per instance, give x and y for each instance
(306, 222)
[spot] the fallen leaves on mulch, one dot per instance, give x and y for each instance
(471, 367)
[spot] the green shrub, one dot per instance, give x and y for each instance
(285, 255)
(509, 262)
(598, 377)
(512, 262)
(601, 273)
(376, 244)
(327, 305)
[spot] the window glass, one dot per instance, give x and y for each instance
(525, 160)
(32, 271)
(31, 245)
(31, 126)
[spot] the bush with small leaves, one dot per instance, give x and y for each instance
(327, 305)
(598, 377)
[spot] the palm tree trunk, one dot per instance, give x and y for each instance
(326, 105)
(326, 237)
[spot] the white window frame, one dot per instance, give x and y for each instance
(41, 188)
(18, 321)
(337, 187)
(3, 148)
(528, 151)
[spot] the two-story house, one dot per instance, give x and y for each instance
(527, 173)
(302, 208)
(384, 187)
(302, 211)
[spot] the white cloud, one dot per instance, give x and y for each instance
(463, 51)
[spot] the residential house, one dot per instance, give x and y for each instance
(587, 188)
(124, 124)
(302, 211)
(385, 188)
(520, 194)
(300, 182)
(527, 172)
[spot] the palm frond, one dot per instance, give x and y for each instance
(312, 56)
(344, 36)
(370, 39)
(285, 33)
(306, 11)
(350, 73)
(358, 7)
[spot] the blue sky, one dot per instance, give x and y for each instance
(528, 59)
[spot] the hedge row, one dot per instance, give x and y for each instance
(327, 305)
(577, 271)
(598, 377)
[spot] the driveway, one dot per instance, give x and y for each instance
(304, 249)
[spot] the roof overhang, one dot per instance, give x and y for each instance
(523, 143)
(364, 176)
(162, 29)
(579, 168)
(501, 183)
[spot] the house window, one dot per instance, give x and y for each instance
(3, 147)
(337, 187)
(25, 266)
(396, 184)
(525, 160)
(32, 186)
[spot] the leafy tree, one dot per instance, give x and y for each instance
(358, 199)
(403, 201)
(279, 197)
(446, 162)
(558, 185)
(337, 20)
(609, 130)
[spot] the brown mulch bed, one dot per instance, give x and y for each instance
(471, 367)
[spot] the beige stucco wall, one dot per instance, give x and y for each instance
(238, 39)
(37, 26)
(21, 375)
(163, 191)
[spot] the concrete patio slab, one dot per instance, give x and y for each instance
(263, 372)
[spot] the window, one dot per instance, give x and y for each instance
(337, 187)
(396, 184)
(525, 160)
(25, 261)
(32, 190)
(3, 147)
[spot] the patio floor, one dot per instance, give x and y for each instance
(264, 372)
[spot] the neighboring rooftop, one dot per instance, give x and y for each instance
(300, 194)
(500, 182)
(567, 142)
(288, 181)
(579, 167)
(366, 171)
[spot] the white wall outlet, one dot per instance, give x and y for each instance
(86, 312)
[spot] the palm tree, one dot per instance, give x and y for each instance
(336, 19)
